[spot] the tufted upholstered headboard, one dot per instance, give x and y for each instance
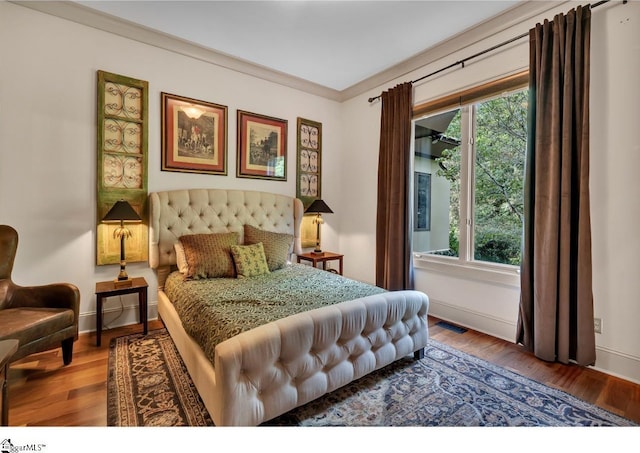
(197, 211)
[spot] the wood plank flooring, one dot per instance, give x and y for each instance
(42, 392)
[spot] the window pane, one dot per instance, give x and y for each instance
(500, 147)
(437, 160)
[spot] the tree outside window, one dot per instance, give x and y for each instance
(477, 185)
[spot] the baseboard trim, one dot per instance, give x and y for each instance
(617, 364)
(481, 322)
(115, 317)
(608, 361)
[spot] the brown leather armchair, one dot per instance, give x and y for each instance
(39, 317)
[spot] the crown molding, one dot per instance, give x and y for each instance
(81, 14)
(96, 19)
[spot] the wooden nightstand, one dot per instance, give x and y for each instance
(322, 258)
(7, 349)
(107, 289)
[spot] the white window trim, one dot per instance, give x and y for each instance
(463, 267)
(467, 183)
(503, 274)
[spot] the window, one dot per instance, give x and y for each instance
(422, 201)
(475, 154)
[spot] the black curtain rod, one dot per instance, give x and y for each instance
(462, 62)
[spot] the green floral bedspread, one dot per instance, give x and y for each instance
(213, 310)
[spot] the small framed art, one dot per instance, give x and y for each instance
(194, 135)
(262, 147)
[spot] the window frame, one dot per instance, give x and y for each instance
(463, 265)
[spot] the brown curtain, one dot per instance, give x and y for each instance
(556, 304)
(394, 267)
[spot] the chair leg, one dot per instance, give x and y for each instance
(67, 350)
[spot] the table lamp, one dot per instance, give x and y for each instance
(318, 207)
(122, 212)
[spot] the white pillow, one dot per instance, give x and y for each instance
(181, 258)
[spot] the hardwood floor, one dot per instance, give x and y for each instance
(42, 392)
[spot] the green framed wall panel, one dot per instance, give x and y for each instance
(122, 173)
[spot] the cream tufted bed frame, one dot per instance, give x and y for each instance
(269, 370)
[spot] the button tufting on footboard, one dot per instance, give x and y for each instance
(330, 347)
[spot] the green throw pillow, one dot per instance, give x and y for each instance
(250, 260)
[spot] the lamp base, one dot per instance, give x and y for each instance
(123, 283)
(317, 252)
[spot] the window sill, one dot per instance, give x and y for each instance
(484, 272)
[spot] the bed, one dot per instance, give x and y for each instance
(276, 359)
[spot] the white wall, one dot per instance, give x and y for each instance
(48, 142)
(458, 294)
(615, 185)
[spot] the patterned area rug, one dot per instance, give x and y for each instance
(148, 385)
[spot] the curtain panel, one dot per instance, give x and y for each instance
(394, 267)
(555, 319)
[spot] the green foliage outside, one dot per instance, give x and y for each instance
(501, 141)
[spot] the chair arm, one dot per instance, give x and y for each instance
(55, 295)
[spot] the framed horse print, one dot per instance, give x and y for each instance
(194, 135)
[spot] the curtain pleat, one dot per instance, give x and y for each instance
(394, 267)
(555, 317)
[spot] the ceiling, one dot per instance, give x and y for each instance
(335, 44)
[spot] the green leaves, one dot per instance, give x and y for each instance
(500, 145)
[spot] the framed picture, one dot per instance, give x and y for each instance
(194, 135)
(422, 201)
(309, 171)
(262, 147)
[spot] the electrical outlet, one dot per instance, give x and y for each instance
(597, 325)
